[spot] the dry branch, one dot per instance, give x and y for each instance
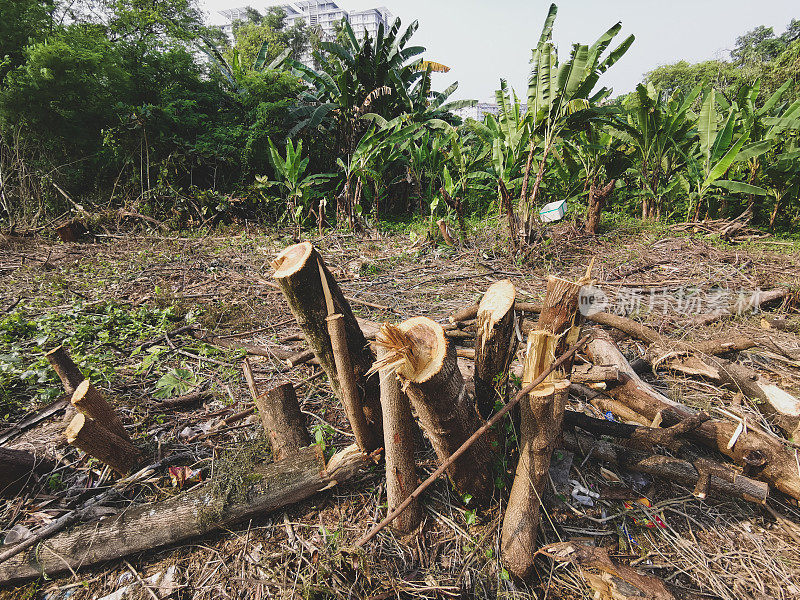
(188, 515)
(471, 312)
(754, 302)
(67, 371)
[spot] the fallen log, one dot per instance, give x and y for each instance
(97, 441)
(763, 454)
(18, 468)
(742, 305)
(723, 480)
(398, 433)
(781, 324)
(495, 343)
(594, 374)
(297, 271)
(426, 363)
(283, 421)
(188, 515)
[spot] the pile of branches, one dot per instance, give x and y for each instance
(452, 380)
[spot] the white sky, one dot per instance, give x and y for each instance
(483, 41)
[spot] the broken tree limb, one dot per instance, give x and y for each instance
(742, 305)
(97, 441)
(17, 468)
(88, 400)
(297, 271)
(398, 433)
(782, 408)
(67, 371)
(466, 445)
(495, 343)
(366, 436)
(188, 515)
(426, 363)
(594, 374)
(764, 454)
(651, 336)
(283, 421)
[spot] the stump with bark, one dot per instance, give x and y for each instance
(66, 369)
(284, 423)
(297, 271)
(88, 400)
(426, 363)
(494, 342)
(97, 441)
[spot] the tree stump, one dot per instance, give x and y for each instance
(284, 423)
(297, 271)
(97, 441)
(425, 361)
(67, 371)
(88, 400)
(494, 342)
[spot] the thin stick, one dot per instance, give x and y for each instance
(465, 446)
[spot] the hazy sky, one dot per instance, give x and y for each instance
(483, 41)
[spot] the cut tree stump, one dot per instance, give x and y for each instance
(426, 362)
(398, 432)
(297, 271)
(762, 454)
(283, 421)
(66, 369)
(88, 400)
(17, 468)
(97, 441)
(147, 527)
(495, 343)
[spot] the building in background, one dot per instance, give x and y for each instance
(320, 14)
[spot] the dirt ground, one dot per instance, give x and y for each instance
(718, 548)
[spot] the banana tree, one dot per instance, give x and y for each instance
(718, 152)
(563, 96)
(296, 188)
(658, 136)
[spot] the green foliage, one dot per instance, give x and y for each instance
(92, 335)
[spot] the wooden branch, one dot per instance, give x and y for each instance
(367, 437)
(773, 462)
(97, 441)
(495, 343)
(426, 362)
(297, 271)
(17, 468)
(466, 445)
(188, 515)
(283, 421)
(67, 371)
(723, 480)
(398, 432)
(185, 400)
(88, 400)
(742, 305)
(594, 374)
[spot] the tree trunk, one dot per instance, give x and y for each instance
(97, 441)
(762, 454)
(426, 364)
(367, 437)
(398, 432)
(508, 207)
(597, 202)
(494, 343)
(284, 423)
(774, 214)
(88, 400)
(297, 270)
(146, 527)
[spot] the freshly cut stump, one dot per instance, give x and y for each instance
(97, 441)
(284, 423)
(426, 363)
(88, 400)
(398, 431)
(494, 342)
(297, 271)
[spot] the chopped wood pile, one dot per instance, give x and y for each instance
(455, 381)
